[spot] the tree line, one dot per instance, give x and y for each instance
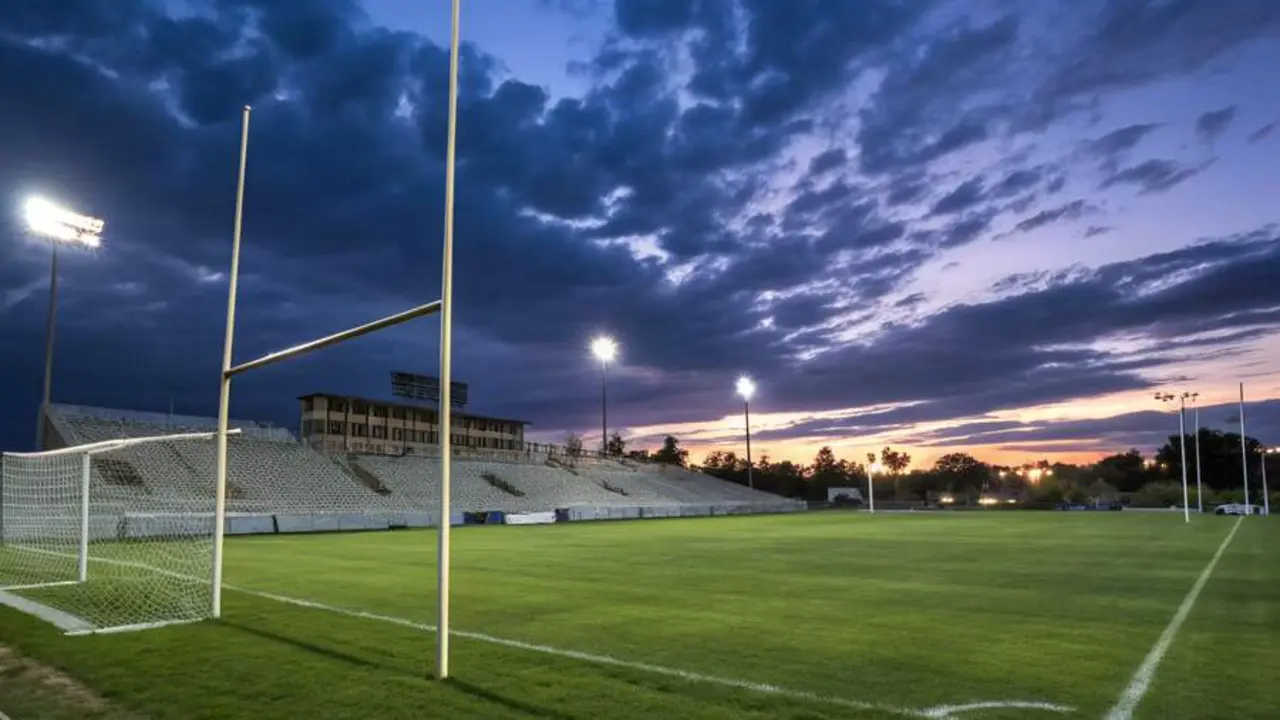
(959, 477)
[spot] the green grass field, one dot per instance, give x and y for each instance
(824, 615)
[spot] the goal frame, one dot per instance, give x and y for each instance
(71, 624)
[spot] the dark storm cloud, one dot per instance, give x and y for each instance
(963, 197)
(828, 160)
(1263, 132)
(1122, 140)
(1095, 230)
(1154, 175)
(1137, 41)
(1029, 348)
(899, 127)
(1017, 181)
(1213, 123)
(1071, 211)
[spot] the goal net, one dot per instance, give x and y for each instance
(109, 536)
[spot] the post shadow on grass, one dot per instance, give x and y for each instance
(462, 686)
(510, 703)
(329, 653)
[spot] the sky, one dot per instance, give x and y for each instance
(943, 225)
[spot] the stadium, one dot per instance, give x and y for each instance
(410, 558)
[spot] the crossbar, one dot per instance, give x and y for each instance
(355, 332)
(96, 448)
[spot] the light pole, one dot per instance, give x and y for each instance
(746, 388)
(61, 227)
(1182, 440)
(1199, 490)
(605, 349)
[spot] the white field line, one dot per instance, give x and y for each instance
(1146, 672)
(940, 712)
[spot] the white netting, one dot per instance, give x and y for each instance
(139, 554)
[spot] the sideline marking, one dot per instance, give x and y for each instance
(1146, 672)
(942, 711)
(939, 712)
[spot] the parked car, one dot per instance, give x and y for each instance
(1237, 509)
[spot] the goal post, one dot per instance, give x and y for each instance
(108, 536)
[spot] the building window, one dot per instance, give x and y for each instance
(338, 405)
(379, 411)
(397, 413)
(337, 427)
(359, 407)
(308, 404)
(397, 434)
(380, 432)
(359, 430)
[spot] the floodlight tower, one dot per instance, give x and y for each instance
(1199, 490)
(605, 349)
(746, 387)
(1182, 440)
(61, 227)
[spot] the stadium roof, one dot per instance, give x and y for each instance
(407, 405)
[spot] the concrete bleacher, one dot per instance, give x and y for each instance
(276, 484)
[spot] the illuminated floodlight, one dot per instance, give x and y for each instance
(604, 348)
(746, 387)
(56, 223)
(946, 499)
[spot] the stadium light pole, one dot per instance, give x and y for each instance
(1199, 491)
(1182, 441)
(446, 358)
(61, 227)
(605, 349)
(746, 387)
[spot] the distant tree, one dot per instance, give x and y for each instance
(573, 445)
(826, 472)
(1219, 453)
(962, 472)
(616, 446)
(671, 453)
(894, 461)
(1126, 471)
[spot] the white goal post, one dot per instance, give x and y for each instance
(109, 536)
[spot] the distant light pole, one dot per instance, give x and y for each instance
(1182, 439)
(746, 387)
(62, 227)
(605, 349)
(1199, 490)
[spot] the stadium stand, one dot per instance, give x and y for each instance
(271, 475)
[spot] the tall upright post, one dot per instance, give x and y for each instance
(1182, 440)
(446, 362)
(604, 407)
(83, 571)
(224, 391)
(871, 487)
(1266, 496)
(50, 328)
(1199, 488)
(1244, 453)
(746, 412)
